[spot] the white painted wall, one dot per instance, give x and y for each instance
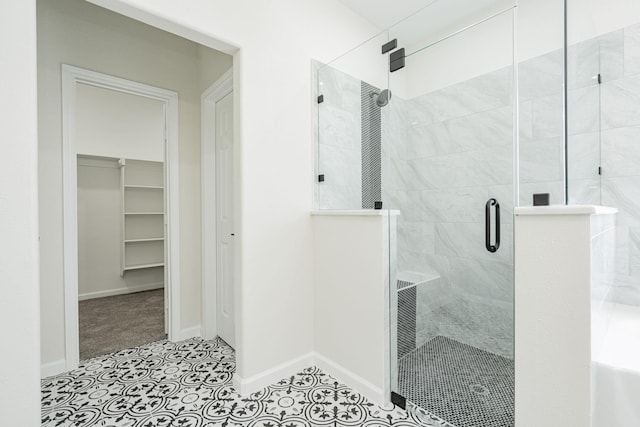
(365, 62)
(99, 215)
(590, 18)
(77, 33)
(211, 66)
(117, 124)
(19, 311)
(484, 48)
(552, 314)
(273, 101)
(351, 298)
(556, 266)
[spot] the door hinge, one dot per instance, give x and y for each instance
(396, 60)
(398, 400)
(389, 46)
(599, 170)
(320, 99)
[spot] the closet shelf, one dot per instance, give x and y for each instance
(142, 220)
(142, 266)
(144, 213)
(149, 239)
(146, 187)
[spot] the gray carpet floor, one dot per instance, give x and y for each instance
(123, 321)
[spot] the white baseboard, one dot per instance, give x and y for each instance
(53, 368)
(193, 332)
(119, 291)
(60, 366)
(246, 386)
(373, 393)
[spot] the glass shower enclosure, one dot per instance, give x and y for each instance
(437, 120)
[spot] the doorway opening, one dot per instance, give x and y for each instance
(121, 251)
(123, 196)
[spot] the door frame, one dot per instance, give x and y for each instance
(218, 90)
(71, 77)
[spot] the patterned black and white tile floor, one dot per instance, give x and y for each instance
(188, 384)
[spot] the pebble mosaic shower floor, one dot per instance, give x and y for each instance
(463, 384)
(188, 384)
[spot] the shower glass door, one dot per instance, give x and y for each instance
(448, 168)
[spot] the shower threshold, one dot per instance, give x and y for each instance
(464, 385)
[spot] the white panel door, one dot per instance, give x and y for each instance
(224, 207)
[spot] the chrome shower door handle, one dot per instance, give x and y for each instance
(487, 225)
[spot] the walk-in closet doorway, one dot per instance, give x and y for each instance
(122, 284)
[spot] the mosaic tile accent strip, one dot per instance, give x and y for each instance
(403, 284)
(188, 384)
(466, 386)
(371, 120)
(406, 321)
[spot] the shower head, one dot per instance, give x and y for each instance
(382, 98)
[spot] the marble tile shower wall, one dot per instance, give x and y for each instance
(339, 141)
(605, 130)
(541, 128)
(445, 154)
(454, 153)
